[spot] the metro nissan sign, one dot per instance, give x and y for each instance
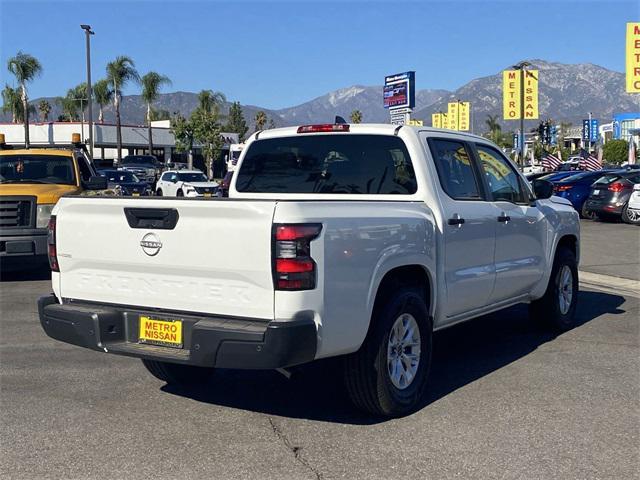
(633, 57)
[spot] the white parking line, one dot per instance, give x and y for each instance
(610, 283)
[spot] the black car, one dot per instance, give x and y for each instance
(609, 195)
(146, 167)
(126, 182)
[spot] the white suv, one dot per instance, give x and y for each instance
(185, 183)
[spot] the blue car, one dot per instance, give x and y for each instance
(576, 188)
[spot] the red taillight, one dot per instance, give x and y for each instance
(563, 188)
(325, 127)
(51, 245)
(293, 267)
(616, 187)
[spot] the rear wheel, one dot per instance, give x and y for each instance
(388, 375)
(159, 192)
(557, 308)
(588, 214)
(177, 374)
(630, 216)
(180, 194)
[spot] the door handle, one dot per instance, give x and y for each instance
(455, 221)
(504, 218)
(152, 218)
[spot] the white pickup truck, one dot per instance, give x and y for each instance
(343, 240)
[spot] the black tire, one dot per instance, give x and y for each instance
(627, 219)
(588, 214)
(367, 378)
(159, 192)
(547, 309)
(177, 374)
(179, 193)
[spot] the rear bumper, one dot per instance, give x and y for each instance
(207, 341)
(27, 242)
(604, 207)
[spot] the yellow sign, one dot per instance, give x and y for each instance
(416, 123)
(531, 95)
(452, 115)
(436, 120)
(511, 94)
(633, 57)
(160, 332)
(464, 116)
(445, 120)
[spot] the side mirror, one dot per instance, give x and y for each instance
(96, 182)
(636, 187)
(542, 189)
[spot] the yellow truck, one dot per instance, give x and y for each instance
(31, 182)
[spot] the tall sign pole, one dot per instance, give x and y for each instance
(88, 32)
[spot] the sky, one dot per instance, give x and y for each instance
(280, 54)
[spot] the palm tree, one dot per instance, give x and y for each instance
(70, 107)
(44, 108)
(25, 68)
(152, 82)
(119, 73)
(261, 120)
(494, 127)
(103, 96)
(11, 102)
(356, 116)
(210, 101)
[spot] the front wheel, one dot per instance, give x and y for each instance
(631, 216)
(388, 375)
(177, 374)
(159, 192)
(588, 214)
(180, 194)
(557, 308)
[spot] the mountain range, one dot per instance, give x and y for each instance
(567, 92)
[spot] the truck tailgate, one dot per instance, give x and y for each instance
(215, 260)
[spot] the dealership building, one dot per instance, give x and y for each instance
(135, 139)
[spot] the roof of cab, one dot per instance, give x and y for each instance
(67, 152)
(366, 128)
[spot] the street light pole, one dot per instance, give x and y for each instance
(589, 139)
(88, 32)
(522, 68)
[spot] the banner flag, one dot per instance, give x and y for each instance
(464, 116)
(531, 95)
(633, 57)
(436, 120)
(511, 94)
(445, 121)
(452, 115)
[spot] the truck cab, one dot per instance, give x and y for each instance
(31, 182)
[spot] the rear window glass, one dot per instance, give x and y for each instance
(606, 179)
(342, 164)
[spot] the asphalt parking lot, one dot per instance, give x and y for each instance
(507, 400)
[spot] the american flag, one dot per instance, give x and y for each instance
(589, 162)
(632, 152)
(549, 161)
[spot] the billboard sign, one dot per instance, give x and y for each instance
(452, 115)
(586, 130)
(633, 58)
(436, 120)
(511, 95)
(464, 116)
(399, 90)
(593, 130)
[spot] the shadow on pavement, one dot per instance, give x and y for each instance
(13, 270)
(462, 354)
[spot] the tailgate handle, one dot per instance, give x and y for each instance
(154, 218)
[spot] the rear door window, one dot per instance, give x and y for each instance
(456, 173)
(328, 164)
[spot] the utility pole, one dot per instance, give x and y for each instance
(88, 32)
(589, 137)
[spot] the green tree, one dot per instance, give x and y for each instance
(495, 129)
(160, 114)
(69, 107)
(152, 82)
(44, 108)
(615, 151)
(11, 102)
(103, 95)
(236, 122)
(210, 101)
(207, 131)
(25, 68)
(261, 120)
(356, 116)
(120, 72)
(182, 130)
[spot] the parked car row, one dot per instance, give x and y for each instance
(603, 194)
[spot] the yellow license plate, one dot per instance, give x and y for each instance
(207, 194)
(163, 332)
(135, 194)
